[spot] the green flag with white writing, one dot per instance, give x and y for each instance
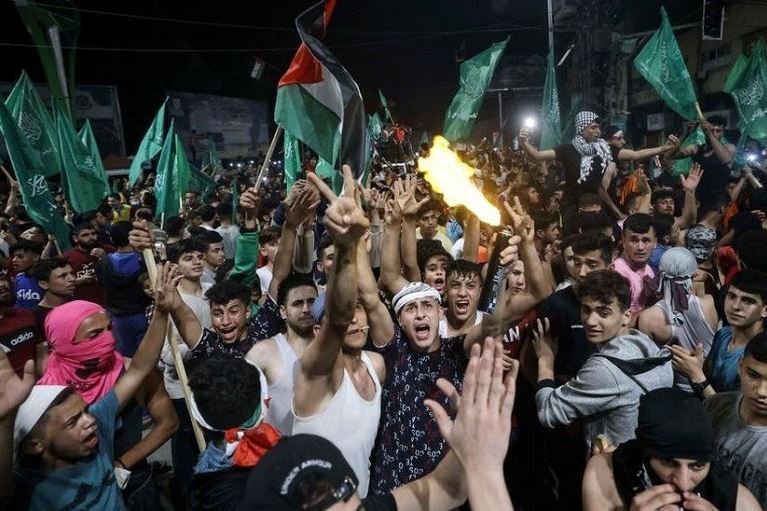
(89, 141)
(746, 83)
(150, 145)
(476, 74)
(34, 122)
(167, 197)
(551, 129)
(30, 174)
(661, 63)
(292, 153)
(84, 188)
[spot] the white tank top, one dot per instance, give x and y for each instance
(350, 422)
(279, 412)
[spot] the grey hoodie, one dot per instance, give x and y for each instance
(601, 394)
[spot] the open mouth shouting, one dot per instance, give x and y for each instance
(439, 285)
(422, 332)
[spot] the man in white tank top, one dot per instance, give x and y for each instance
(338, 385)
(277, 357)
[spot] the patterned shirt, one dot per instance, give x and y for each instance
(409, 444)
(267, 323)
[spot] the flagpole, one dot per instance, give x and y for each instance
(268, 158)
(151, 268)
(700, 112)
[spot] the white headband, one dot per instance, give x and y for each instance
(33, 408)
(411, 292)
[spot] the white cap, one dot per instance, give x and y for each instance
(33, 409)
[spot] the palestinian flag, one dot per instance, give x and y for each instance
(318, 101)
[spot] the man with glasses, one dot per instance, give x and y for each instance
(714, 156)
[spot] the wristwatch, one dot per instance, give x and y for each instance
(698, 388)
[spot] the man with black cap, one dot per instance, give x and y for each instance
(668, 466)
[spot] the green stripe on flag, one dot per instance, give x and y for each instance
(300, 114)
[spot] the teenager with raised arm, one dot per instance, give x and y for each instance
(338, 385)
(65, 448)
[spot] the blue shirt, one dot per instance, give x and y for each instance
(724, 364)
(28, 293)
(88, 484)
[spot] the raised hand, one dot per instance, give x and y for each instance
(524, 135)
(250, 202)
(479, 435)
(405, 199)
(521, 222)
(691, 182)
(671, 142)
(302, 206)
(139, 237)
(166, 297)
(345, 219)
(687, 362)
(14, 390)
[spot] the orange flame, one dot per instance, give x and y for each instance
(451, 177)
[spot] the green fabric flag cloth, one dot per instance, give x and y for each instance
(89, 141)
(168, 183)
(326, 171)
(476, 74)
(150, 145)
(35, 123)
(42, 19)
(292, 153)
(697, 137)
(425, 139)
(551, 129)
(30, 173)
(385, 105)
(576, 105)
(201, 182)
(661, 63)
(211, 158)
(374, 126)
(84, 187)
(746, 83)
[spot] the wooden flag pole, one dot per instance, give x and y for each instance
(7, 174)
(701, 117)
(151, 268)
(269, 154)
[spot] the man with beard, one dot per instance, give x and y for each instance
(20, 339)
(83, 258)
(587, 161)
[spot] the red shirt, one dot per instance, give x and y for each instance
(19, 337)
(84, 264)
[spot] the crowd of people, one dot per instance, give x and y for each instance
(380, 349)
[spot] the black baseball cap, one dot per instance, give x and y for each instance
(273, 484)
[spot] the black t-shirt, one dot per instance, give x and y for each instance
(564, 312)
(571, 161)
(715, 175)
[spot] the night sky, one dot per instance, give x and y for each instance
(406, 47)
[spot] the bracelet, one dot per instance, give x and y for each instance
(698, 388)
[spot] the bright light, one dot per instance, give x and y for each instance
(751, 157)
(451, 177)
(529, 122)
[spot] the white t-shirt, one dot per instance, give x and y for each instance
(265, 275)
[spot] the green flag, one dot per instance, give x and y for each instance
(167, 196)
(54, 28)
(292, 154)
(746, 83)
(34, 122)
(150, 145)
(385, 105)
(182, 171)
(199, 181)
(425, 138)
(374, 126)
(211, 158)
(576, 104)
(697, 137)
(661, 63)
(84, 187)
(30, 173)
(551, 129)
(89, 141)
(476, 74)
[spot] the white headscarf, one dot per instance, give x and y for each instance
(676, 269)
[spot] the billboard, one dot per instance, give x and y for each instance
(237, 127)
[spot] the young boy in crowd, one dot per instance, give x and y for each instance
(604, 394)
(56, 277)
(24, 254)
(638, 244)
